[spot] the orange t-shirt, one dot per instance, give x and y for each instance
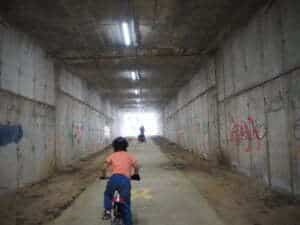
(121, 163)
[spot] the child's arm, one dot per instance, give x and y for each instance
(136, 168)
(136, 175)
(107, 163)
(104, 170)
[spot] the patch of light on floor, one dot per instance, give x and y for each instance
(132, 121)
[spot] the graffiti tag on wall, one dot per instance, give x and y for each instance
(77, 132)
(248, 131)
(10, 134)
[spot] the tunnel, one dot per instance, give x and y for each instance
(205, 92)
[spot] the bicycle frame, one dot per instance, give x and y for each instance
(116, 218)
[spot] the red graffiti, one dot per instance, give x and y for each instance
(77, 132)
(247, 130)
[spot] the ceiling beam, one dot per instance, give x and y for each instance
(96, 58)
(120, 53)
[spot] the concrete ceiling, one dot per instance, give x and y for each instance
(172, 37)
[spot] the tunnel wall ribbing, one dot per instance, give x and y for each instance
(81, 118)
(62, 117)
(242, 107)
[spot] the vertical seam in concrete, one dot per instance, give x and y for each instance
(232, 66)
(267, 145)
(281, 16)
(19, 155)
(217, 108)
(261, 55)
(250, 145)
(290, 135)
(225, 108)
(56, 85)
(268, 162)
(290, 132)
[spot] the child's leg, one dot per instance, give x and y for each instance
(126, 206)
(126, 214)
(108, 195)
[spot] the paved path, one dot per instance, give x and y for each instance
(163, 197)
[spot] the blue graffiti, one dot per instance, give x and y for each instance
(10, 134)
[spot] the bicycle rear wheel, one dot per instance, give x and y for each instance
(117, 221)
(116, 216)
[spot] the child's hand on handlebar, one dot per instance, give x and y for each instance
(103, 178)
(135, 177)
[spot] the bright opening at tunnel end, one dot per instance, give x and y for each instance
(132, 121)
(126, 34)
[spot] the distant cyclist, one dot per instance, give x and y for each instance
(142, 130)
(142, 137)
(123, 166)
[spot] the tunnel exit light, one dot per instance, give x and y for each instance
(132, 121)
(133, 76)
(126, 34)
(136, 91)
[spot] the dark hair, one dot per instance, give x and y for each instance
(120, 144)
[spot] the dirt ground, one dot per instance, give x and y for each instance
(42, 202)
(237, 199)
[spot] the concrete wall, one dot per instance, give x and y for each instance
(81, 118)
(243, 105)
(62, 118)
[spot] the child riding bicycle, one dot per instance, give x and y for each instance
(123, 166)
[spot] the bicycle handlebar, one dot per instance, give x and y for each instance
(136, 177)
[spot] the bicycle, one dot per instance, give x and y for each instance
(117, 201)
(141, 138)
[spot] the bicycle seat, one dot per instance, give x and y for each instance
(117, 198)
